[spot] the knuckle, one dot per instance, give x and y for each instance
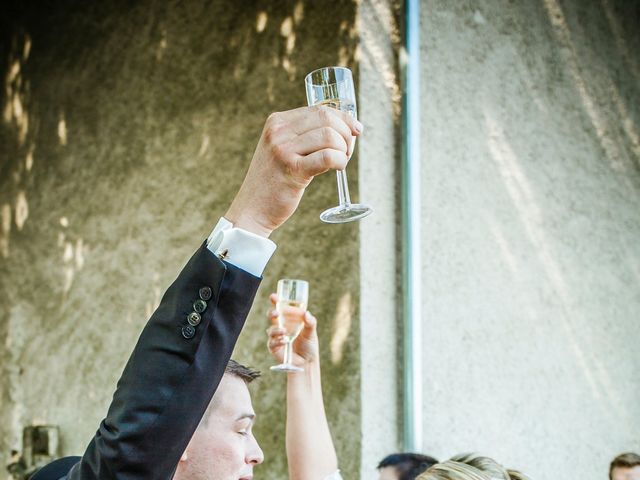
(325, 158)
(274, 118)
(278, 151)
(327, 134)
(270, 133)
(324, 114)
(274, 127)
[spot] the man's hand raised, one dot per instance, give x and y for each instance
(294, 147)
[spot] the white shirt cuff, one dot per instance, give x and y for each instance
(241, 248)
(334, 476)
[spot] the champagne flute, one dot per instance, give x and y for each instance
(333, 87)
(291, 304)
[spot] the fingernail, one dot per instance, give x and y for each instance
(359, 126)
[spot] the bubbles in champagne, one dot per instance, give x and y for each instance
(343, 105)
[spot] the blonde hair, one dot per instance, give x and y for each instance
(452, 470)
(516, 475)
(484, 464)
(470, 466)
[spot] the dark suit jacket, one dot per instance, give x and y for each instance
(171, 376)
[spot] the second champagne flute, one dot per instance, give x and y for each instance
(293, 297)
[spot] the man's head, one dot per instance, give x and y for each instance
(223, 446)
(625, 467)
(404, 466)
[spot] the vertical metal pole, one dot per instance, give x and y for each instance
(411, 214)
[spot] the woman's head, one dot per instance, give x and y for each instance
(470, 466)
(452, 470)
(484, 464)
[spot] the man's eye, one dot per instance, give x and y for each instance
(243, 432)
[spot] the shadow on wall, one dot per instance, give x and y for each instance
(15, 206)
(530, 214)
(609, 139)
(611, 120)
(20, 125)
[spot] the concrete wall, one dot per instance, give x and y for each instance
(531, 221)
(379, 108)
(125, 132)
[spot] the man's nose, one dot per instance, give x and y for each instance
(254, 454)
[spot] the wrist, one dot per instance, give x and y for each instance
(247, 221)
(310, 375)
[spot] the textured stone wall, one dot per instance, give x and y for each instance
(531, 201)
(125, 132)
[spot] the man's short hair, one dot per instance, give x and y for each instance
(624, 460)
(246, 374)
(407, 465)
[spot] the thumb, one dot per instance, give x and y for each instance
(310, 323)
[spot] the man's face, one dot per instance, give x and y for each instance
(223, 446)
(388, 473)
(626, 473)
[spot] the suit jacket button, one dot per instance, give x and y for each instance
(188, 331)
(194, 318)
(205, 293)
(199, 306)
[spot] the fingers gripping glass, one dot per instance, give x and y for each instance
(333, 87)
(293, 296)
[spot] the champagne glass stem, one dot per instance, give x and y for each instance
(287, 352)
(343, 188)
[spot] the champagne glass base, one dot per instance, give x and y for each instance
(283, 367)
(345, 213)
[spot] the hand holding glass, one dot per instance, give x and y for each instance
(293, 296)
(333, 87)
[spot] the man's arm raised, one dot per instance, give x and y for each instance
(181, 354)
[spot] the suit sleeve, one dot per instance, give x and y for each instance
(172, 373)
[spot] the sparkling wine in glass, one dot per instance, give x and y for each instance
(291, 304)
(333, 87)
